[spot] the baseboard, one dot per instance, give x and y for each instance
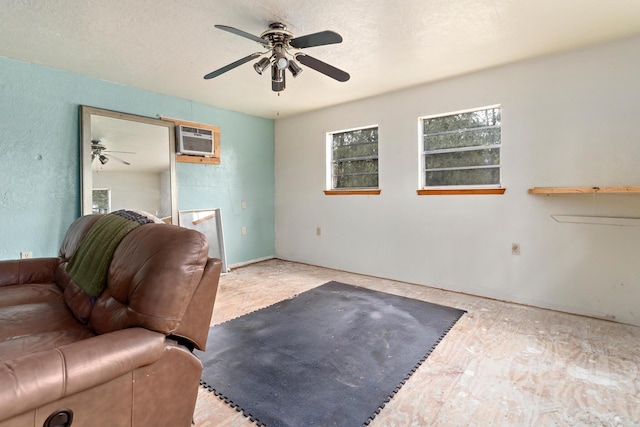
(253, 261)
(574, 311)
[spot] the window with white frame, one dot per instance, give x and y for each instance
(101, 200)
(462, 149)
(354, 158)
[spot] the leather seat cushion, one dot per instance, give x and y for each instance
(29, 293)
(29, 327)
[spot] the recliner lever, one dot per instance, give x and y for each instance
(60, 418)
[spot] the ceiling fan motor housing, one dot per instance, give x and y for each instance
(277, 34)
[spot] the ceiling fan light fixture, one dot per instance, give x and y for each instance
(294, 68)
(281, 62)
(279, 59)
(103, 159)
(261, 65)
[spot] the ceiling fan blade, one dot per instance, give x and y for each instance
(118, 159)
(316, 39)
(242, 34)
(231, 66)
(323, 67)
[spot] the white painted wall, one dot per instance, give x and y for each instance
(165, 194)
(568, 120)
(132, 190)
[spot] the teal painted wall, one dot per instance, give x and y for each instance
(40, 160)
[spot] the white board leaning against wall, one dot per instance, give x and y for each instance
(209, 223)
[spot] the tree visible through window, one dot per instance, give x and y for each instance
(101, 200)
(354, 158)
(462, 149)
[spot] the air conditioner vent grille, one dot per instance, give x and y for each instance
(195, 141)
(197, 131)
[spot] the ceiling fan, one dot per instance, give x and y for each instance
(99, 151)
(281, 51)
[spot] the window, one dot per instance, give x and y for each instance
(101, 201)
(354, 159)
(462, 149)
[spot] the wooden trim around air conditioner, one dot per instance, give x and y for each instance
(215, 160)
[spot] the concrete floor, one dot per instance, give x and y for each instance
(502, 364)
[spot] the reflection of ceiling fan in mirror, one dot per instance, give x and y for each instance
(100, 152)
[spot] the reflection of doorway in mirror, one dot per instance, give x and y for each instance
(101, 200)
(209, 223)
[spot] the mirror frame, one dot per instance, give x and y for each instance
(86, 177)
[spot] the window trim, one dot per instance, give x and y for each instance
(424, 190)
(459, 191)
(329, 190)
(354, 192)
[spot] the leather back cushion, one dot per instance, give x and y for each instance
(77, 300)
(152, 277)
(76, 232)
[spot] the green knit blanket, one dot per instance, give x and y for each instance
(90, 264)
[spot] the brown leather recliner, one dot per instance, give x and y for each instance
(120, 359)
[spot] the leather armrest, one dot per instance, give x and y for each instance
(34, 380)
(35, 270)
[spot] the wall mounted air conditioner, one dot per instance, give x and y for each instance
(195, 141)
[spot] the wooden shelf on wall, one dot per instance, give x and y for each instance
(624, 189)
(215, 160)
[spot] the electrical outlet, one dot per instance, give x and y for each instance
(515, 249)
(318, 231)
(26, 255)
(244, 205)
(244, 231)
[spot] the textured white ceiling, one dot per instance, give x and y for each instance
(167, 46)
